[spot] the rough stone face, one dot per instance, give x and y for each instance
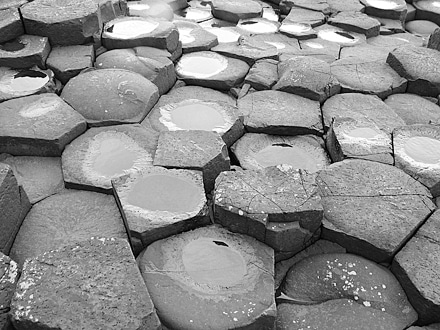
(414, 109)
(280, 113)
(419, 65)
(356, 22)
(359, 75)
(318, 48)
(277, 205)
(38, 125)
(319, 247)
(197, 108)
(158, 69)
(140, 31)
(68, 61)
(104, 153)
(393, 41)
(14, 204)
(308, 77)
(196, 150)
(434, 40)
(209, 69)
(370, 208)
(337, 6)
(157, 203)
(233, 11)
(39, 176)
(417, 265)
(8, 279)
(366, 51)
(24, 52)
(263, 74)
(111, 96)
(10, 24)
(416, 152)
(343, 291)
(91, 284)
(395, 9)
(360, 127)
(305, 16)
(12, 3)
(64, 219)
(233, 286)
(69, 22)
(257, 151)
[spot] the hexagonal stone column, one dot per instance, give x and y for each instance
(342, 291)
(14, 204)
(193, 150)
(228, 276)
(360, 127)
(308, 77)
(395, 9)
(96, 279)
(104, 153)
(69, 22)
(10, 26)
(65, 218)
(417, 152)
(418, 65)
(129, 32)
(111, 96)
(209, 69)
(233, 11)
(39, 125)
(9, 275)
(197, 108)
(24, 52)
(279, 206)
(193, 37)
(356, 22)
(280, 113)
(417, 265)
(370, 208)
(157, 203)
(39, 176)
(257, 151)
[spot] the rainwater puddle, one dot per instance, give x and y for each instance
(131, 28)
(29, 81)
(291, 155)
(197, 116)
(423, 149)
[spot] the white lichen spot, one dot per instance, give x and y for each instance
(366, 303)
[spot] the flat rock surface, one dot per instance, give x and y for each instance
(349, 291)
(416, 151)
(414, 109)
(79, 280)
(263, 74)
(418, 65)
(417, 265)
(39, 176)
(111, 96)
(308, 77)
(193, 37)
(196, 150)
(281, 113)
(261, 203)
(232, 11)
(257, 151)
(371, 208)
(84, 214)
(157, 203)
(233, 286)
(103, 153)
(209, 69)
(356, 22)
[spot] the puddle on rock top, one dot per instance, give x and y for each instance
(13, 46)
(363, 132)
(162, 192)
(258, 27)
(196, 14)
(202, 66)
(290, 155)
(132, 28)
(113, 157)
(197, 116)
(295, 27)
(423, 149)
(337, 36)
(224, 35)
(185, 35)
(213, 262)
(29, 81)
(383, 4)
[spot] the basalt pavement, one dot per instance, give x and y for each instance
(219, 164)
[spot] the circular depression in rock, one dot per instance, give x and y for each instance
(337, 36)
(197, 116)
(113, 157)
(202, 66)
(131, 28)
(29, 80)
(224, 35)
(362, 132)
(383, 4)
(258, 27)
(423, 149)
(295, 27)
(185, 35)
(275, 155)
(164, 192)
(213, 262)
